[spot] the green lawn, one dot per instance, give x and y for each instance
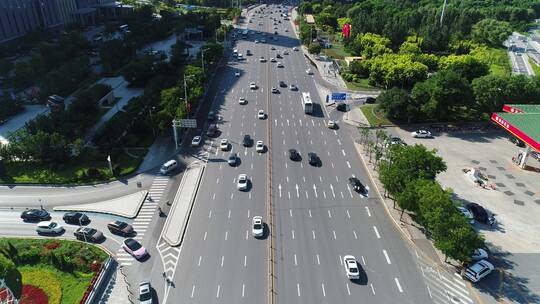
(337, 50)
(362, 84)
(374, 116)
(535, 67)
(499, 63)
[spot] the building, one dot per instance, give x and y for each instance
(20, 17)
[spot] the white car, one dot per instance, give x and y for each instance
(242, 182)
(252, 86)
(479, 254)
(256, 40)
(272, 59)
(49, 227)
(145, 293)
(478, 271)
(196, 141)
(224, 144)
(351, 267)
(237, 74)
(262, 59)
(309, 72)
(421, 134)
(293, 87)
(242, 101)
(260, 114)
(295, 49)
(285, 52)
(259, 147)
(279, 65)
(466, 213)
(257, 227)
(331, 124)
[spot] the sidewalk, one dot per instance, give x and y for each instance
(117, 290)
(161, 150)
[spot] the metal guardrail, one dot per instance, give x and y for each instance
(95, 285)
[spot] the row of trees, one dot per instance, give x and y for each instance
(448, 96)
(408, 174)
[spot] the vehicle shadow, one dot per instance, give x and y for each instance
(363, 278)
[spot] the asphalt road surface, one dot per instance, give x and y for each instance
(317, 217)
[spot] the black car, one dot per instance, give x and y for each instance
(517, 142)
(313, 159)
(370, 100)
(247, 141)
(282, 84)
(35, 215)
(211, 116)
(358, 186)
(212, 130)
(342, 107)
(88, 234)
(279, 56)
(294, 155)
(479, 213)
(76, 218)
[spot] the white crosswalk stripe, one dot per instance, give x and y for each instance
(444, 288)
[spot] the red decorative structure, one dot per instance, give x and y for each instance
(346, 30)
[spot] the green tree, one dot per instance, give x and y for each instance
(491, 31)
(409, 197)
(467, 66)
(400, 70)
(169, 102)
(13, 277)
(398, 105)
(407, 164)
(314, 48)
(489, 92)
(370, 45)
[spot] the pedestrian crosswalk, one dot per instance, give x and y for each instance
(145, 215)
(445, 288)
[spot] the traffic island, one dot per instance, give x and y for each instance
(126, 206)
(176, 223)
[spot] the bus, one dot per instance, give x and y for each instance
(307, 104)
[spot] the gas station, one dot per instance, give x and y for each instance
(523, 122)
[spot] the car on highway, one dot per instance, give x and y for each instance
(479, 213)
(293, 87)
(285, 52)
(295, 49)
(134, 248)
(196, 141)
(233, 158)
(294, 155)
(466, 213)
(275, 90)
(313, 159)
(395, 141)
(370, 100)
(248, 53)
(252, 85)
(259, 147)
(257, 227)
(309, 72)
(242, 101)
(35, 215)
(351, 267)
(479, 254)
(48, 227)
(342, 107)
(237, 74)
(282, 84)
(358, 186)
(211, 116)
(273, 59)
(242, 184)
(279, 65)
(77, 218)
(224, 144)
(421, 134)
(168, 167)
(286, 30)
(262, 59)
(145, 293)
(273, 48)
(478, 271)
(256, 40)
(88, 234)
(120, 228)
(247, 141)
(278, 56)
(331, 124)
(260, 114)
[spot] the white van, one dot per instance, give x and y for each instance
(168, 166)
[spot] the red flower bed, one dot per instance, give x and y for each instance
(33, 295)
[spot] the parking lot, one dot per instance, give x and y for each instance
(512, 195)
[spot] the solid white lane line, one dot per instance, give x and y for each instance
(398, 285)
(386, 256)
(348, 290)
(376, 232)
(222, 260)
(295, 261)
(354, 232)
(368, 212)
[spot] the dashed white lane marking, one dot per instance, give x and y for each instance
(318, 260)
(386, 256)
(398, 285)
(323, 290)
(368, 212)
(355, 236)
(298, 289)
(376, 232)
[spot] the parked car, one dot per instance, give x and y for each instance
(134, 248)
(466, 213)
(35, 215)
(351, 267)
(479, 213)
(48, 227)
(77, 218)
(120, 228)
(196, 141)
(478, 271)
(211, 116)
(370, 100)
(257, 227)
(212, 130)
(88, 234)
(145, 293)
(479, 254)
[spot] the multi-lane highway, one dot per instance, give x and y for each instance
(317, 218)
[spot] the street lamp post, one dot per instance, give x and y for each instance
(110, 164)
